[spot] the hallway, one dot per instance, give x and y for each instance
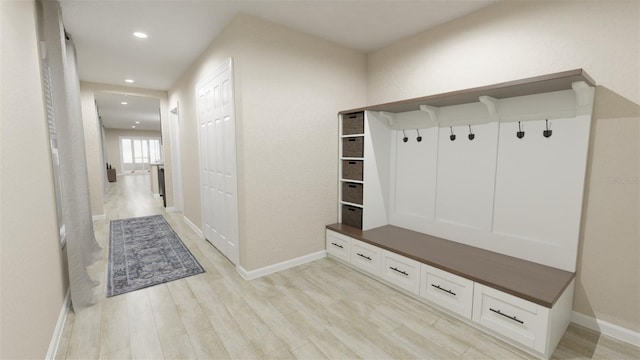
(318, 310)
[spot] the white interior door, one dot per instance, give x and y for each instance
(216, 122)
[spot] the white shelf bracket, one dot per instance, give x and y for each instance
(583, 92)
(490, 103)
(387, 116)
(432, 111)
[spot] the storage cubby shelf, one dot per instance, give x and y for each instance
(352, 135)
(352, 181)
(351, 204)
(529, 86)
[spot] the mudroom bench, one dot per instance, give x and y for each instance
(522, 302)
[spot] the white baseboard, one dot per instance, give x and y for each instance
(254, 274)
(193, 226)
(99, 217)
(57, 333)
(172, 209)
(606, 328)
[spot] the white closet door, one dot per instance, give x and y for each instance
(217, 138)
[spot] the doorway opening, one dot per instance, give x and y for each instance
(131, 131)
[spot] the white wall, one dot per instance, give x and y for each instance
(32, 273)
(514, 40)
(289, 88)
(112, 143)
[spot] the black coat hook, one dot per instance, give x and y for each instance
(547, 133)
(520, 133)
(471, 134)
(405, 138)
(419, 138)
(452, 136)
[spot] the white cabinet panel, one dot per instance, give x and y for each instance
(401, 271)
(450, 291)
(466, 174)
(515, 318)
(414, 179)
(539, 181)
(338, 245)
(377, 143)
(365, 256)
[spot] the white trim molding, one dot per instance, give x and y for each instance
(257, 273)
(57, 333)
(99, 217)
(193, 227)
(171, 209)
(606, 328)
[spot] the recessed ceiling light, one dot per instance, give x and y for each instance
(130, 81)
(137, 122)
(140, 35)
(133, 126)
(124, 103)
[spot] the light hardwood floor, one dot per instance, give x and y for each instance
(322, 309)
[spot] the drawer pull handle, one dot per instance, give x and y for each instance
(352, 116)
(353, 186)
(351, 140)
(364, 256)
(352, 162)
(351, 209)
(400, 271)
(507, 316)
(442, 289)
(337, 245)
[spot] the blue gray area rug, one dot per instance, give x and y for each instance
(145, 251)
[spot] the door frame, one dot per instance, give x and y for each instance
(232, 256)
(176, 157)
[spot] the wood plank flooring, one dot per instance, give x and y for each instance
(320, 310)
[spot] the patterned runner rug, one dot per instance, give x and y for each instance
(145, 251)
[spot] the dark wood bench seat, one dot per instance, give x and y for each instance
(534, 282)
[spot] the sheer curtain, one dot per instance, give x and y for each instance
(82, 247)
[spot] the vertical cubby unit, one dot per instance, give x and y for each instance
(365, 143)
(351, 189)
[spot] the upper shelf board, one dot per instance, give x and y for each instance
(529, 86)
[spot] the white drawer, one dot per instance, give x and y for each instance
(450, 291)
(400, 271)
(338, 245)
(365, 256)
(513, 317)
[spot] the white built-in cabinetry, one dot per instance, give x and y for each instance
(450, 291)
(499, 168)
(530, 326)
